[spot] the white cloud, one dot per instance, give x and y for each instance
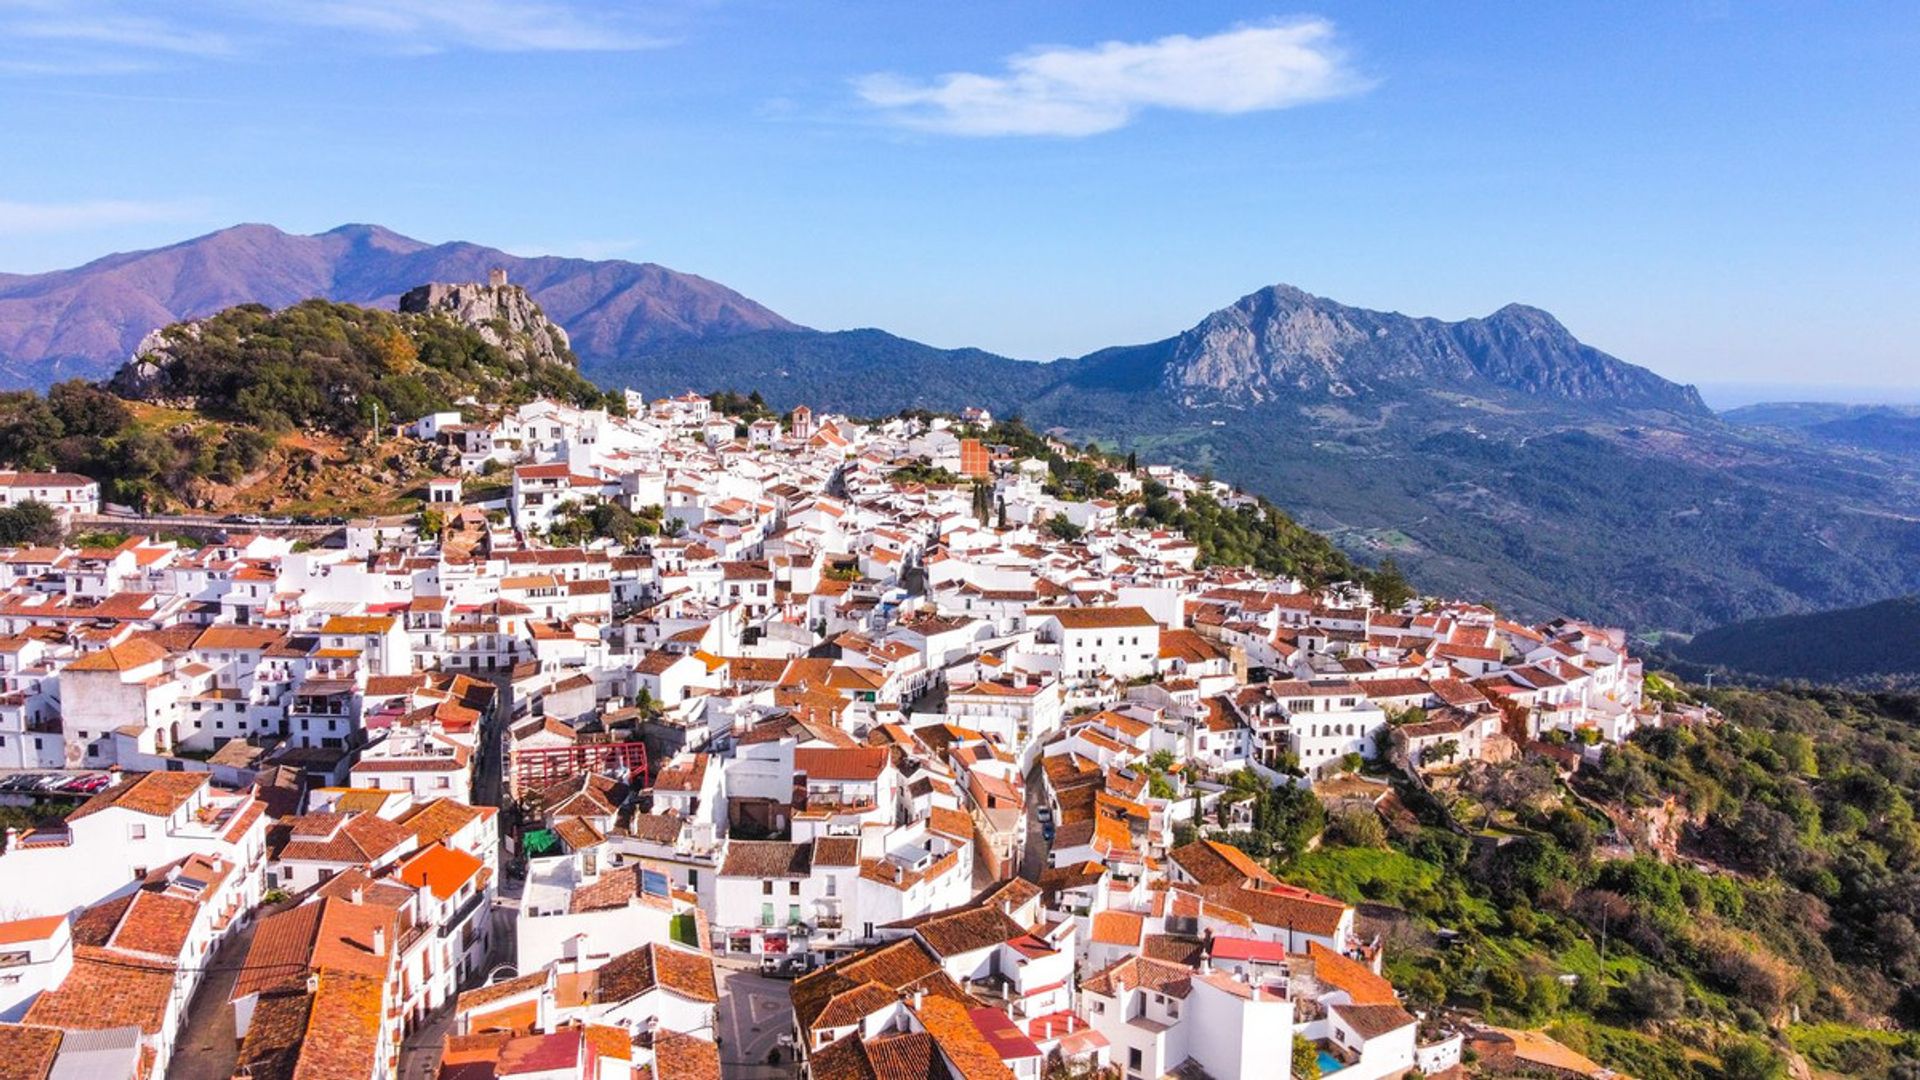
(29, 217)
(131, 31)
(1074, 91)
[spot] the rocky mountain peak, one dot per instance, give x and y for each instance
(1284, 342)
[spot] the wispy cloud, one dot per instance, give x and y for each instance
(491, 25)
(57, 217)
(100, 37)
(1086, 91)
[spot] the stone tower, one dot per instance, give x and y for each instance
(497, 276)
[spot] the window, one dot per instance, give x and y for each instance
(766, 888)
(793, 913)
(766, 914)
(793, 888)
(833, 885)
(137, 831)
(693, 879)
(1133, 1057)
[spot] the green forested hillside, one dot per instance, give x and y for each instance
(1875, 644)
(336, 367)
(1777, 914)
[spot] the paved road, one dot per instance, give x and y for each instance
(208, 1047)
(1033, 854)
(420, 1052)
(754, 1012)
(123, 522)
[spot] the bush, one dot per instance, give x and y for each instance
(1650, 995)
(1357, 828)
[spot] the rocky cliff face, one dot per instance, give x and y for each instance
(503, 315)
(1282, 342)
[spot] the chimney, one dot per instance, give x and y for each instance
(357, 895)
(379, 941)
(313, 982)
(919, 996)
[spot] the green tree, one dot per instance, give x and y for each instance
(29, 523)
(1306, 1058)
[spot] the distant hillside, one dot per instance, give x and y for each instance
(1878, 644)
(1879, 429)
(85, 321)
(863, 372)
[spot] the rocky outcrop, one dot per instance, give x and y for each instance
(144, 376)
(503, 315)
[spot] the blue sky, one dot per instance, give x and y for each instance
(1721, 191)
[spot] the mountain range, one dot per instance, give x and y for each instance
(87, 320)
(1496, 456)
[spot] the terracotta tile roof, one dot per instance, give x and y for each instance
(968, 1050)
(1373, 1021)
(27, 1052)
(968, 929)
(156, 925)
(343, 1028)
(1117, 928)
(658, 828)
(633, 973)
(1173, 948)
(129, 654)
(438, 821)
(440, 868)
(1290, 908)
(40, 929)
(949, 822)
(1344, 973)
(841, 851)
(104, 991)
(895, 968)
(860, 763)
(907, 1056)
(1210, 862)
(767, 859)
(1095, 618)
(1139, 971)
(157, 793)
(271, 1050)
(683, 1057)
(362, 840)
(482, 996)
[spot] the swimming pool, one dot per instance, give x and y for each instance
(1329, 1064)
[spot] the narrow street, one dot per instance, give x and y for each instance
(1033, 853)
(207, 1047)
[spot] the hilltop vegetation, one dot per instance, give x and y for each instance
(289, 396)
(337, 367)
(1782, 920)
